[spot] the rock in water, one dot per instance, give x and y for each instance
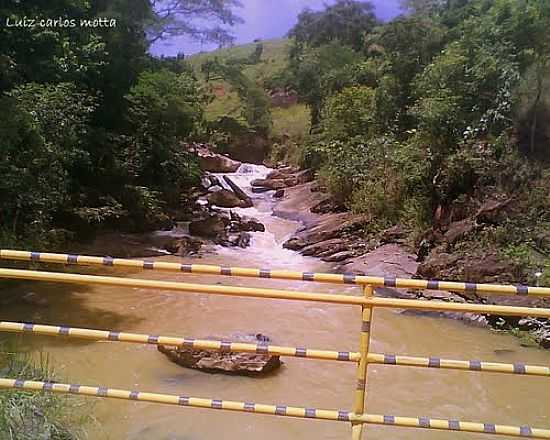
(247, 201)
(226, 199)
(244, 364)
(216, 163)
(212, 226)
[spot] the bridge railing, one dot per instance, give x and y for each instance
(368, 302)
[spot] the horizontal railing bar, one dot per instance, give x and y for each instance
(453, 364)
(275, 293)
(264, 348)
(196, 344)
(181, 287)
(278, 410)
(277, 274)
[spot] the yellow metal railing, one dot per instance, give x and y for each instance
(368, 302)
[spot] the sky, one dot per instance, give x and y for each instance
(265, 19)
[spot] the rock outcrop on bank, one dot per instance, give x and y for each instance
(344, 239)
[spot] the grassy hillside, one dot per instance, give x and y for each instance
(293, 121)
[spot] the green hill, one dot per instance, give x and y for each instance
(292, 121)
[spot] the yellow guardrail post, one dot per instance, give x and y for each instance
(362, 368)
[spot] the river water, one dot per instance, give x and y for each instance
(392, 390)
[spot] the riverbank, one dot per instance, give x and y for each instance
(339, 238)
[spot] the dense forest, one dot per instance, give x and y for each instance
(90, 122)
(436, 121)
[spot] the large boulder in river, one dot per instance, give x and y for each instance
(270, 183)
(210, 227)
(183, 246)
(226, 199)
(245, 364)
(216, 163)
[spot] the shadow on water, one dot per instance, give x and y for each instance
(56, 304)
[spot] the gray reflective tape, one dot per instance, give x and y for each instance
(183, 401)
(424, 422)
(249, 406)
(114, 336)
(365, 326)
(349, 279)
(28, 327)
(102, 391)
(64, 331)
(74, 389)
(489, 428)
(72, 259)
(311, 413)
(48, 386)
(361, 383)
(434, 362)
(265, 273)
(152, 339)
(390, 359)
(470, 287)
(433, 285)
(343, 356)
(454, 425)
(19, 383)
(308, 276)
(390, 282)
(343, 416)
(475, 365)
(188, 268)
(525, 431)
(148, 265)
(280, 410)
(301, 352)
(217, 404)
(108, 261)
(225, 271)
(134, 395)
(519, 368)
(389, 420)
(522, 290)
(35, 256)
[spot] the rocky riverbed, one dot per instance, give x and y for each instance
(336, 236)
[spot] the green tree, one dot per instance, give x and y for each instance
(346, 21)
(203, 20)
(43, 151)
(163, 109)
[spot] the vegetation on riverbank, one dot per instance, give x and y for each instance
(92, 124)
(32, 416)
(435, 122)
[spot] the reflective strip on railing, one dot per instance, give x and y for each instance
(277, 410)
(197, 344)
(392, 282)
(275, 294)
(276, 350)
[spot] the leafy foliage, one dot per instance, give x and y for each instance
(91, 124)
(30, 416)
(346, 21)
(433, 112)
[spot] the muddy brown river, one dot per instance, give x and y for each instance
(471, 396)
